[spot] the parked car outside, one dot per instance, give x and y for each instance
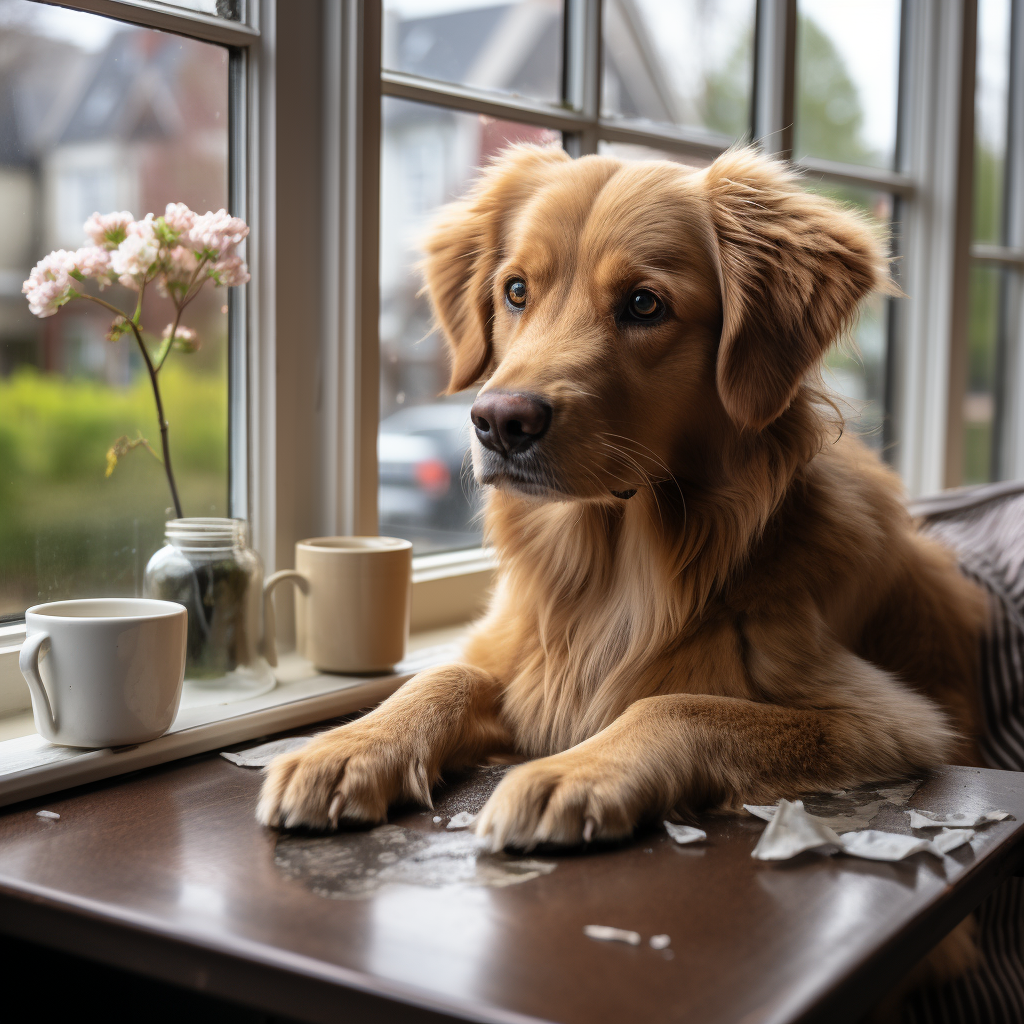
(427, 493)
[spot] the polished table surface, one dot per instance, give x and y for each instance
(167, 873)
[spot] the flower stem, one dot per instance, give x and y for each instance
(178, 310)
(156, 395)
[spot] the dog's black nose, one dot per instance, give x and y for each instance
(508, 423)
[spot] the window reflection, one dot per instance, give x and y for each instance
(991, 293)
(513, 48)
(683, 62)
(855, 369)
(991, 119)
(98, 116)
(847, 80)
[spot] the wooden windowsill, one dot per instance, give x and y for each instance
(29, 766)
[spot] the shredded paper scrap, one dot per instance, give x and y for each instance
(261, 756)
(684, 834)
(933, 819)
(792, 830)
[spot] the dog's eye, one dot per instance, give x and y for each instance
(644, 305)
(515, 292)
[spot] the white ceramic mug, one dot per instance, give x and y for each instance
(352, 609)
(104, 672)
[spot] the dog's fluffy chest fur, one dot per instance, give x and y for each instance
(600, 614)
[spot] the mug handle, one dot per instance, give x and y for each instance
(28, 662)
(269, 616)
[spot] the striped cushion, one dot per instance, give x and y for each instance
(985, 526)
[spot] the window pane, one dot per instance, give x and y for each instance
(97, 116)
(856, 372)
(683, 62)
(847, 80)
(231, 9)
(988, 298)
(513, 48)
(631, 151)
(429, 155)
(991, 123)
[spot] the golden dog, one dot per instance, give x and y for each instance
(706, 595)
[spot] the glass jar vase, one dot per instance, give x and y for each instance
(208, 566)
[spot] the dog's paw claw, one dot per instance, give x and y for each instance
(348, 774)
(554, 800)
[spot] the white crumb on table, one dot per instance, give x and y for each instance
(462, 820)
(49, 815)
(660, 941)
(437, 818)
(605, 933)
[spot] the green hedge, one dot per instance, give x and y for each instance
(65, 528)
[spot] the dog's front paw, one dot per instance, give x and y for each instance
(353, 773)
(566, 799)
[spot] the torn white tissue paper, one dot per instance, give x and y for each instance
(858, 817)
(683, 834)
(959, 819)
(874, 845)
(791, 831)
(52, 815)
(605, 933)
(660, 942)
(261, 756)
(950, 838)
(462, 820)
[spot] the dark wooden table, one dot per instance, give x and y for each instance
(167, 874)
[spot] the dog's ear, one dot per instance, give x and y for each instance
(464, 247)
(793, 268)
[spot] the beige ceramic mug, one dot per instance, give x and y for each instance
(352, 609)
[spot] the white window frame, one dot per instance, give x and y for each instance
(305, 414)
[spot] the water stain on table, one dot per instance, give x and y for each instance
(354, 865)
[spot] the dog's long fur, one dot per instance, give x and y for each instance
(761, 618)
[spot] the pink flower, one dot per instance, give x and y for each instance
(229, 272)
(144, 229)
(50, 283)
(179, 266)
(185, 338)
(134, 258)
(179, 217)
(218, 233)
(93, 262)
(108, 230)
